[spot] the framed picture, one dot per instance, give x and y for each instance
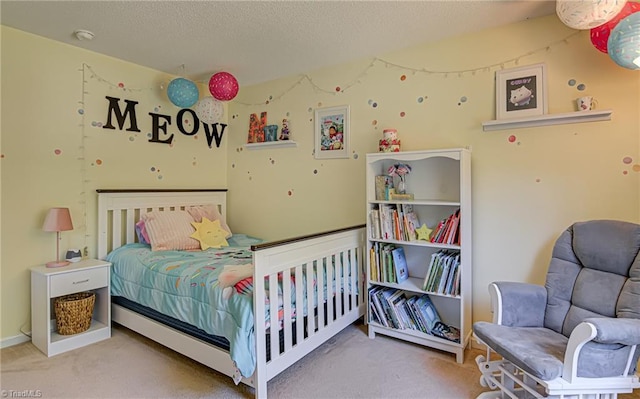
(521, 92)
(332, 132)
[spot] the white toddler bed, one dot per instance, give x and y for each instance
(291, 261)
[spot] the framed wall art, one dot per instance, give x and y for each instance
(332, 132)
(521, 92)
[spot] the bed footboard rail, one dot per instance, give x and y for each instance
(309, 288)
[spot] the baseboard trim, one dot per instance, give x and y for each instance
(11, 341)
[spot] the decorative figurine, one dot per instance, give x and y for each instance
(284, 133)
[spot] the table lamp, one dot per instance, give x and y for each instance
(58, 219)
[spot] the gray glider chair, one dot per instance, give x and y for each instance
(579, 335)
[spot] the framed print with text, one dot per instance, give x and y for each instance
(521, 92)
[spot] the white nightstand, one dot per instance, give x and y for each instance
(48, 283)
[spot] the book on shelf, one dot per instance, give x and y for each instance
(447, 332)
(374, 215)
(400, 197)
(382, 185)
(412, 222)
(443, 273)
(400, 264)
(427, 312)
(447, 230)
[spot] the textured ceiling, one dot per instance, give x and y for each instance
(258, 41)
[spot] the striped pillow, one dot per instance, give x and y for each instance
(170, 230)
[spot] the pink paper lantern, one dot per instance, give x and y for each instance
(600, 34)
(223, 86)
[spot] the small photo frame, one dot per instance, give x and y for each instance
(332, 132)
(521, 92)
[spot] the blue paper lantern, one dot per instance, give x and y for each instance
(624, 42)
(183, 93)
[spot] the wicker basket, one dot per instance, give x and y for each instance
(73, 312)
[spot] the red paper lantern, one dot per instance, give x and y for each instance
(223, 86)
(600, 34)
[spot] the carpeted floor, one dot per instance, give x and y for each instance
(348, 366)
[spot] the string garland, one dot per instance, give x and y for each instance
(445, 73)
(362, 74)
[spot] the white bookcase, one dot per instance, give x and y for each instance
(440, 181)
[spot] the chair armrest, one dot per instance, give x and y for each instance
(602, 330)
(517, 304)
(616, 331)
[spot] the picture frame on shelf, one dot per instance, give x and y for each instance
(521, 92)
(331, 126)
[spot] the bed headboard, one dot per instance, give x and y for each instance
(119, 210)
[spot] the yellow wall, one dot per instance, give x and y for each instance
(525, 192)
(56, 153)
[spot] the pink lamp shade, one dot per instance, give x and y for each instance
(58, 219)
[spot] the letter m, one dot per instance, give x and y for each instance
(129, 112)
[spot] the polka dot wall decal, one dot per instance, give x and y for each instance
(153, 169)
(624, 172)
(374, 122)
(337, 88)
(159, 177)
(370, 102)
(149, 135)
(463, 99)
(93, 123)
(627, 160)
(420, 100)
(290, 192)
(636, 168)
(537, 180)
(270, 97)
(81, 111)
(98, 161)
(121, 85)
(581, 87)
(374, 105)
(355, 156)
(57, 151)
(131, 138)
(512, 138)
(1, 156)
(319, 104)
(571, 82)
(315, 171)
(403, 78)
(310, 109)
(402, 114)
(233, 165)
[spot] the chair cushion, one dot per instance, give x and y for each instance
(537, 350)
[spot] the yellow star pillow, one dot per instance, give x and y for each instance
(423, 232)
(210, 234)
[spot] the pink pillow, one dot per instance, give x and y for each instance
(141, 232)
(210, 212)
(170, 230)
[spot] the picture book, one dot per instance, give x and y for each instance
(427, 311)
(400, 264)
(383, 183)
(447, 332)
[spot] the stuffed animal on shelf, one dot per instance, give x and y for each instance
(231, 275)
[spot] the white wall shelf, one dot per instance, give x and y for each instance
(271, 144)
(549, 119)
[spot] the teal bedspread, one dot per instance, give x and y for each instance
(184, 285)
